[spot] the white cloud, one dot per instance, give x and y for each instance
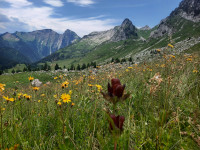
(82, 2)
(55, 3)
(18, 3)
(37, 18)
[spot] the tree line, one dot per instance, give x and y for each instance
(47, 67)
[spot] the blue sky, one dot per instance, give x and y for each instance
(80, 16)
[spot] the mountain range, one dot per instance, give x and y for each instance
(33, 46)
(122, 41)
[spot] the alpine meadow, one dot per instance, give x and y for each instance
(103, 86)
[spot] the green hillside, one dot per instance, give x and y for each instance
(82, 52)
(10, 57)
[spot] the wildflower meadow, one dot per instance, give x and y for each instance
(149, 105)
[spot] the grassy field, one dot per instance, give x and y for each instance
(69, 112)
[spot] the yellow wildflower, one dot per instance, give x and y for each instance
(99, 87)
(6, 98)
(36, 88)
(70, 92)
(55, 96)
(19, 95)
(157, 65)
(189, 59)
(31, 78)
(28, 97)
(39, 101)
(66, 98)
(61, 76)
(11, 99)
(24, 95)
(150, 70)
(59, 103)
(65, 84)
(127, 70)
(55, 78)
(42, 95)
(158, 50)
(195, 71)
(172, 56)
(2, 87)
(163, 66)
(170, 45)
(90, 85)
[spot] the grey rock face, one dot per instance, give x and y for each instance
(162, 29)
(36, 83)
(124, 31)
(188, 9)
(67, 38)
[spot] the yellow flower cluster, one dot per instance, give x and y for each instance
(9, 99)
(2, 88)
(65, 84)
(195, 71)
(28, 97)
(188, 58)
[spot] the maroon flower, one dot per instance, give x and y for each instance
(115, 92)
(118, 122)
(116, 89)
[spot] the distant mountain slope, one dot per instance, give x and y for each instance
(188, 11)
(89, 42)
(10, 57)
(37, 44)
(126, 41)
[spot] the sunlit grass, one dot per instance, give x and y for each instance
(69, 111)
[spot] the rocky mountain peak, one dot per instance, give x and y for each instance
(126, 23)
(125, 31)
(145, 28)
(68, 31)
(188, 9)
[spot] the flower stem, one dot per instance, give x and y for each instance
(1, 129)
(115, 145)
